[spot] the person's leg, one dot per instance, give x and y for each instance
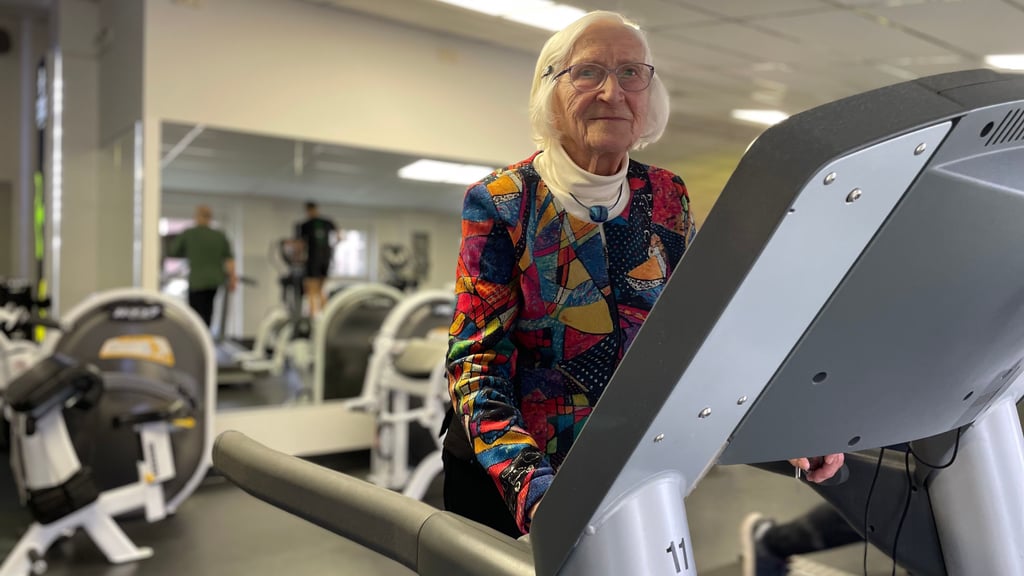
(314, 294)
(820, 529)
(202, 302)
(767, 546)
(470, 493)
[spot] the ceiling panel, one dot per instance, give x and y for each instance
(976, 26)
(857, 37)
(747, 8)
(650, 14)
(756, 45)
(671, 52)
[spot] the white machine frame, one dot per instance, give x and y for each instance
(387, 393)
(49, 452)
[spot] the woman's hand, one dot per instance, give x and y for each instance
(820, 468)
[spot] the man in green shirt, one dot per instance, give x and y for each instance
(211, 262)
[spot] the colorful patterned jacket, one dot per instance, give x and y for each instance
(544, 316)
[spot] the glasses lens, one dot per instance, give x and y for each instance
(633, 77)
(586, 77)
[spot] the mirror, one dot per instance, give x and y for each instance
(399, 233)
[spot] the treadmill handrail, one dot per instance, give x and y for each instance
(409, 531)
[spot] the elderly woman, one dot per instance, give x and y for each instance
(563, 255)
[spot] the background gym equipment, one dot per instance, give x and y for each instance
(399, 390)
(820, 285)
(343, 339)
(140, 366)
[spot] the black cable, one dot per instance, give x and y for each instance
(956, 449)
(906, 508)
(867, 507)
(911, 490)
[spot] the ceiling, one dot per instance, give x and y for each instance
(791, 55)
(208, 160)
(713, 55)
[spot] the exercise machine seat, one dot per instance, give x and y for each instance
(420, 356)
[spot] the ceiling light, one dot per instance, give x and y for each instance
(764, 117)
(538, 13)
(447, 172)
(1006, 61)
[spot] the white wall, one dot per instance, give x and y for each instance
(255, 224)
(77, 265)
(96, 223)
(294, 69)
(121, 46)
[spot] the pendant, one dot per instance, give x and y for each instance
(598, 213)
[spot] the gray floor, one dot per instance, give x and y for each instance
(221, 530)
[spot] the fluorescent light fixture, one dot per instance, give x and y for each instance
(1006, 61)
(446, 172)
(538, 13)
(765, 117)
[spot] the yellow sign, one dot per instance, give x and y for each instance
(139, 347)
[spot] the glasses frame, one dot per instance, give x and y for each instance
(608, 72)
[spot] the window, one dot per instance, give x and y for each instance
(351, 254)
(173, 271)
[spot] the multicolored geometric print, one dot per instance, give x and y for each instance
(546, 308)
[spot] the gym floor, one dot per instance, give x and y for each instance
(224, 531)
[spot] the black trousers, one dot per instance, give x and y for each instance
(820, 529)
(470, 493)
(202, 302)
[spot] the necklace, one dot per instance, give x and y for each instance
(600, 213)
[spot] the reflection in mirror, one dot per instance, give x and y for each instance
(396, 233)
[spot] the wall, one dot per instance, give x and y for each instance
(302, 71)
(115, 207)
(92, 209)
(299, 70)
(120, 42)
(75, 267)
(256, 224)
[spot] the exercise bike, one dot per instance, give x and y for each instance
(133, 372)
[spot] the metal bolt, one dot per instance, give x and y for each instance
(830, 178)
(704, 413)
(742, 400)
(853, 196)
(659, 438)
(920, 149)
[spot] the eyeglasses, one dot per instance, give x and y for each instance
(587, 77)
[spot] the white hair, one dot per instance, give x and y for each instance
(554, 57)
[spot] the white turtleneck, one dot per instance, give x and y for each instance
(563, 176)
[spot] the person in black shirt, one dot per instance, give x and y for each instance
(318, 236)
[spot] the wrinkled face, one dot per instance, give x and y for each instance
(608, 121)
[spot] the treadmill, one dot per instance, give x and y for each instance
(859, 285)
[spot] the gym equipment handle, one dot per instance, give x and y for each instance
(424, 539)
(786, 469)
